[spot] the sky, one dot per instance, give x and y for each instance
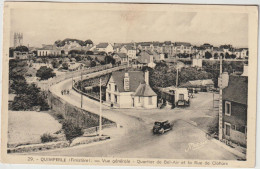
(45, 26)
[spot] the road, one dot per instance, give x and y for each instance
(135, 139)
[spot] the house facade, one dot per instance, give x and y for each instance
(47, 50)
(104, 47)
(130, 51)
(130, 90)
(121, 57)
(234, 109)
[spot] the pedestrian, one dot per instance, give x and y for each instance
(68, 92)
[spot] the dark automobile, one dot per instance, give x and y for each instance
(161, 126)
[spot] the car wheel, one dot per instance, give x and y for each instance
(162, 131)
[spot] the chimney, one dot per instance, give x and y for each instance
(146, 77)
(245, 71)
(126, 82)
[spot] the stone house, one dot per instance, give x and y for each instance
(234, 109)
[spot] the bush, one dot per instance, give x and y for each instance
(46, 137)
(59, 116)
(71, 130)
(45, 73)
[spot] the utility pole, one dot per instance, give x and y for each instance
(220, 134)
(100, 108)
(81, 100)
(177, 76)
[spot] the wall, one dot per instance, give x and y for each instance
(78, 116)
(154, 102)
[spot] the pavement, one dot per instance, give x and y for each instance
(135, 138)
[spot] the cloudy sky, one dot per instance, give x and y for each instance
(44, 26)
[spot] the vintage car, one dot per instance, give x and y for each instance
(161, 126)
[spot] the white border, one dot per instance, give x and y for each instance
(241, 2)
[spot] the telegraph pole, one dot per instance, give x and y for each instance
(220, 102)
(100, 108)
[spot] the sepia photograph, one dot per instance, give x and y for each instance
(129, 84)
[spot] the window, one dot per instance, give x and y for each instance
(181, 96)
(115, 87)
(227, 129)
(150, 100)
(227, 108)
(109, 86)
(139, 99)
(115, 98)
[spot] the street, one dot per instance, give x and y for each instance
(135, 139)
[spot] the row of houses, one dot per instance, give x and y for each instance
(167, 48)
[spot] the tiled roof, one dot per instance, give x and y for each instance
(128, 47)
(237, 90)
(182, 43)
(144, 57)
(48, 47)
(122, 55)
(135, 78)
(102, 45)
(144, 90)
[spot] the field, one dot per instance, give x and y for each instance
(27, 126)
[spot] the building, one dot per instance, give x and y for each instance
(48, 50)
(130, 51)
(182, 47)
(130, 90)
(121, 58)
(234, 111)
(104, 47)
(18, 39)
(146, 58)
(22, 55)
(173, 96)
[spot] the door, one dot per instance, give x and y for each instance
(133, 102)
(227, 129)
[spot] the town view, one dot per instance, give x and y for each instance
(168, 99)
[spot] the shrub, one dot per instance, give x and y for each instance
(46, 137)
(71, 130)
(60, 116)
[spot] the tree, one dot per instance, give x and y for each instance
(30, 97)
(208, 55)
(216, 56)
(65, 66)
(110, 59)
(90, 53)
(55, 63)
(93, 63)
(45, 73)
(71, 131)
(227, 55)
(21, 49)
(232, 56)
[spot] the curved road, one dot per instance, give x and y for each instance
(135, 138)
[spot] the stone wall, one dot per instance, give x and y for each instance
(78, 116)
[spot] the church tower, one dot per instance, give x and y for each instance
(18, 39)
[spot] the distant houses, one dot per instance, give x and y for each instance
(130, 90)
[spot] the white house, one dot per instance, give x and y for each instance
(130, 90)
(104, 47)
(47, 50)
(130, 51)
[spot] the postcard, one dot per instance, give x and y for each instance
(128, 84)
